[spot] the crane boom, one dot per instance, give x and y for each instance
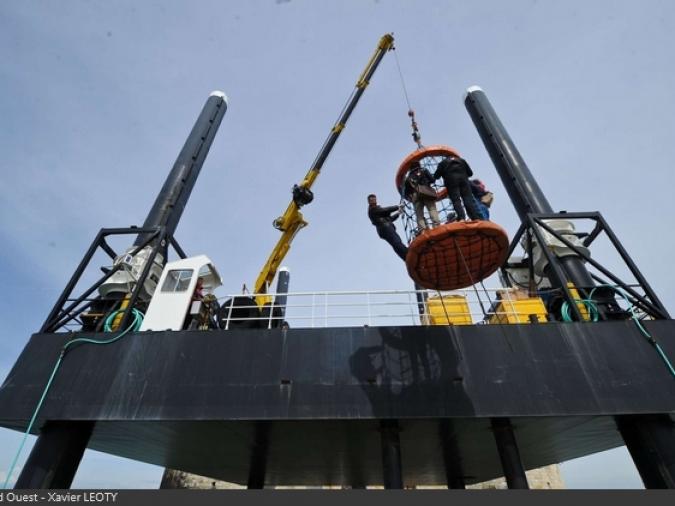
(292, 220)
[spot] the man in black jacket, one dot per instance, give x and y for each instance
(456, 173)
(383, 219)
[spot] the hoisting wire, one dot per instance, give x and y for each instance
(447, 317)
(417, 137)
(468, 271)
(487, 293)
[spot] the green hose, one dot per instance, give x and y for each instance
(643, 330)
(135, 325)
(592, 309)
(595, 316)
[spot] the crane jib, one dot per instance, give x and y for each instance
(291, 221)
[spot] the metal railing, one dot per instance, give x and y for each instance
(377, 308)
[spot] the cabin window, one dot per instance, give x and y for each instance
(177, 280)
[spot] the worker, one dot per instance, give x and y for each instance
(419, 191)
(199, 289)
(483, 197)
(456, 173)
(383, 218)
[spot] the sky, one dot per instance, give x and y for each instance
(97, 98)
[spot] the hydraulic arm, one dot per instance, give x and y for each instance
(292, 220)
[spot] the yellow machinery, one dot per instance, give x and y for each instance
(448, 310)
(292, 220)
(512, 308)
(515, 308)
(583, 310)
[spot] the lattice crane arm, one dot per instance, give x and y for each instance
(292, 221)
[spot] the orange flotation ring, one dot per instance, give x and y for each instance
(419, 154)
(457, 255)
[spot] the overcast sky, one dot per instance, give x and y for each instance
(97, 98)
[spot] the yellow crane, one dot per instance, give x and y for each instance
(292, 220)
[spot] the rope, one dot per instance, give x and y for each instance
(400, 73)
(468, 271)
(417, 137)
(487, 294)
(440, 296)
(135, 325)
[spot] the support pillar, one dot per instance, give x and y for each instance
(650, 439)
(391, 454)
(56, 455)
(258, 464)
(452, 458)
(514, 472)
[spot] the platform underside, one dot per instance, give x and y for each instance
(202, 401)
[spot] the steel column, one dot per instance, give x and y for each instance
(391, 454)
(56, 455)
(520, 184)
(514, 472)
(258, 463)
(650, 439)
(452, 458)
(171, 200)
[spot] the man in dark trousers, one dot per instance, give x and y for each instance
(456, 173)
(383, 219)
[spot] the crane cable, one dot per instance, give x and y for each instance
(417, 137)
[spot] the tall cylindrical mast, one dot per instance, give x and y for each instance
(521, 186)
(519, 182)
(170, 203)
(168, 207)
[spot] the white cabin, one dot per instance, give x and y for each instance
(170, 303)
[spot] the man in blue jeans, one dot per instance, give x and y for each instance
(383, 218)
(481, 193)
